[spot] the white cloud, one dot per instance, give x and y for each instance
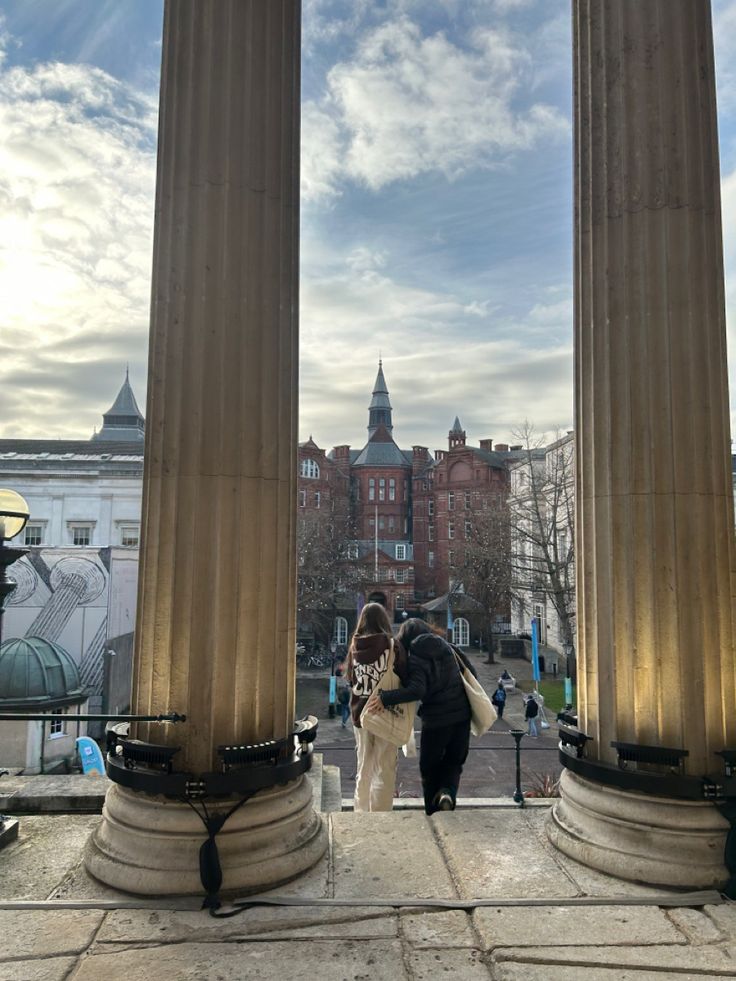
(77, 164)
(409, 104)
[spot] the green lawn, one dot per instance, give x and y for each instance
(553, 693)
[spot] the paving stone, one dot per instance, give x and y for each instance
(494, 853)
(368, 960)
(724, 918)
(429, 965)
(166, 926)
(47, 849)
(47, 969)
(384, 854)
(541, 972)
(313, 884)
(655, 956)
(447, 928)
(697, 927)
(46, 933)
(535, 926)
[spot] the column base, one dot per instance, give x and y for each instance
(150, 845)
(656, 840)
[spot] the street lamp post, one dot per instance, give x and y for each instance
(14, 514)
(518, 735)
(333, 682)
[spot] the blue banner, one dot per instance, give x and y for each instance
(568, 691)
(535, 650)
(91, 756)
(333, 689)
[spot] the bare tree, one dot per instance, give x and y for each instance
(541, 509)
(328, 575)
(481, 566)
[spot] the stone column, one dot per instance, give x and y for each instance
(655, 546)
(215, 634)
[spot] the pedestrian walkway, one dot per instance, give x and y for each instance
(541, 915)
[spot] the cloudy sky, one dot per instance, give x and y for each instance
(436, 202)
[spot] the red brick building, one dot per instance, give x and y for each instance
(410, 513)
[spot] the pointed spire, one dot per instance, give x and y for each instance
(379, 411)
(456, 436)
(123, 420)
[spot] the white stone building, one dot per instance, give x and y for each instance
(76, 588)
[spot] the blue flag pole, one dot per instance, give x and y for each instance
(535, 650)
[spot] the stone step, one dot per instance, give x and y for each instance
(331, 789)
(463, 803)
(315, 777)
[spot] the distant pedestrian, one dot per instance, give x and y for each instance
(498, 698)
(530, 714)
(343, 699)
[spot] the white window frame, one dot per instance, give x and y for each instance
(401, 575)
(340, 632)
(468, 528)
(41, 526)
(430, 507)
(75, 526)
(392, 489)
(302, 498)
(451, 530)
(430, 533)
(57, 727)
(371, 489)
(309, 469)
(400, 602)
(125, 532)
(401, 553)
(317, 498)
(468, 501)
(461, 632)
(391, 523)
(451, 500)
(381, 488)
(430, 559)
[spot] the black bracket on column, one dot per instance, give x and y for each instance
(246, 769)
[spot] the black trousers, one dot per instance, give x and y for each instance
(441, 756)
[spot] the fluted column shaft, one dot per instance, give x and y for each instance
(215, 631)
(655, 547)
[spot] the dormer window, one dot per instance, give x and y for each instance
(310, 468)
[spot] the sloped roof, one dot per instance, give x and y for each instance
(381, 451)
(123, 420)
(456, 427)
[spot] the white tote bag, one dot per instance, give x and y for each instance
(395, 723)
(482, 712)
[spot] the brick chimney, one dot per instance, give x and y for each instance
(502, 447)
(487, 444)
(419, 459)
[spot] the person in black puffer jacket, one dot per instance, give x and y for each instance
(434, 679)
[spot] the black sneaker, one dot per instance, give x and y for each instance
(445, 802)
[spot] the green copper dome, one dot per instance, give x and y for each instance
(36, 673)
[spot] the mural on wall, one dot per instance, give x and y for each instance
(72, 597)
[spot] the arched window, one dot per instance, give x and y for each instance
(341, 631)
(310, 468)
(461, 633)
